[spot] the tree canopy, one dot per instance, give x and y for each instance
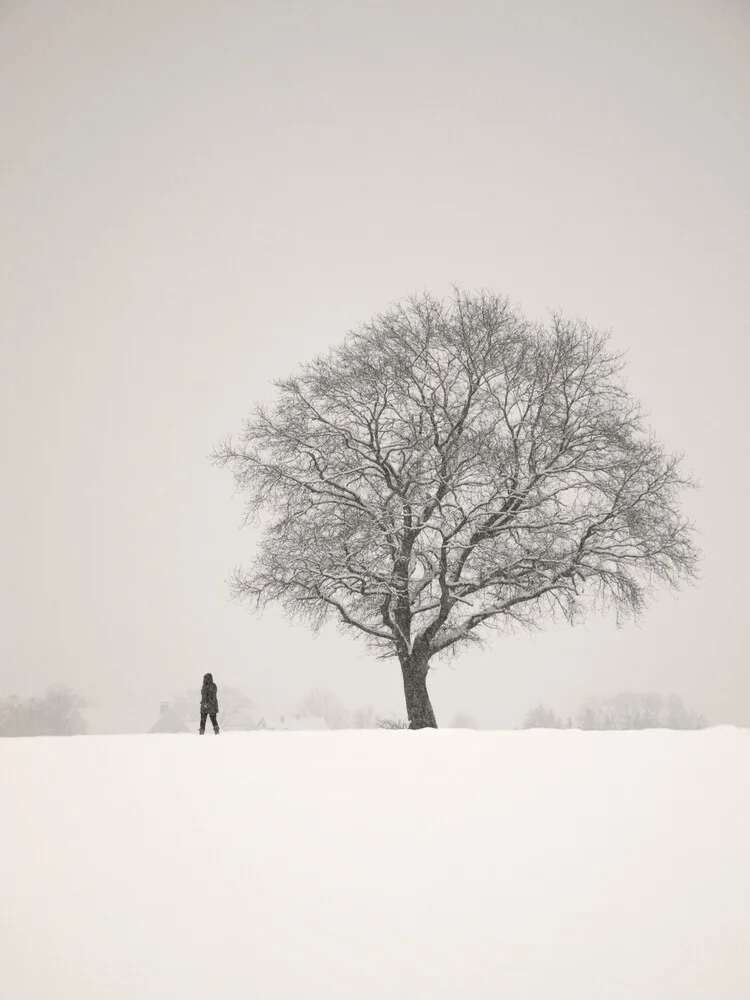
(451, 468)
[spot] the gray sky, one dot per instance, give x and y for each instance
(195, 196)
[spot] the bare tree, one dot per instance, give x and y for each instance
(542, 717)
(362, 718)
(321, 704)
(453, 468)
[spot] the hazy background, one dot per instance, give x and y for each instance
(195, 196)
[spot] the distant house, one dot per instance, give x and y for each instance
(291, 721)
(168, 721)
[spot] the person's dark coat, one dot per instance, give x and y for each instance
(209, 696)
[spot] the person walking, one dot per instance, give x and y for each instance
(209, 704)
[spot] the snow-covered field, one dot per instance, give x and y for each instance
(376, 864)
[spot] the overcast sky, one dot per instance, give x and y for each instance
(195, 196)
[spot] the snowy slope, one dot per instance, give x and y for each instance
(376, 864)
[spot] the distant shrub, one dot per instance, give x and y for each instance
(392, 724)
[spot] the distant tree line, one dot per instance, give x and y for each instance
(626, 710)
(322, 704)
(237, 711)
(55, 713)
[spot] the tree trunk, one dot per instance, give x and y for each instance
(418, 706)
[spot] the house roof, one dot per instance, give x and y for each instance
(169, 722)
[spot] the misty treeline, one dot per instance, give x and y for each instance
(323, 704)
(237, 711)
(57, 712)
(625, 710)
(450, 469)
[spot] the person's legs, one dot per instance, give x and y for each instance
(203, 722)
(214, 723)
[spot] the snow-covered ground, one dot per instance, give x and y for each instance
(376, 864)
